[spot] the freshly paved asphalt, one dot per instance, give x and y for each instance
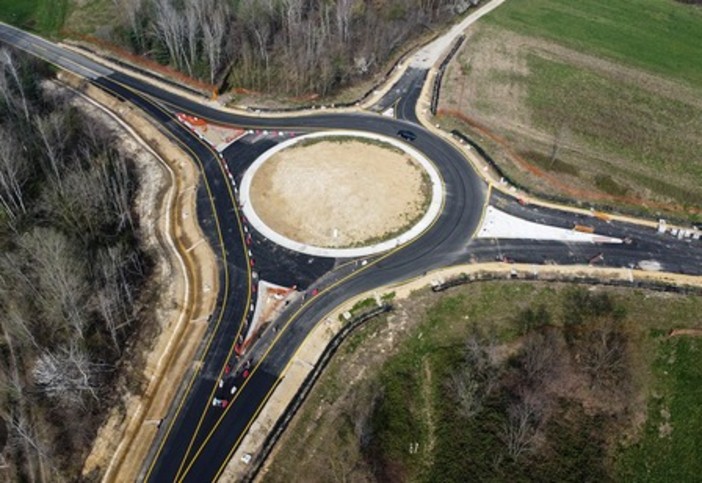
(197, 439)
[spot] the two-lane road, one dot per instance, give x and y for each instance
(198, 439)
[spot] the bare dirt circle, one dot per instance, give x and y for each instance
(340, 192)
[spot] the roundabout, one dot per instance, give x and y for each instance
(341, 194)
(199, 440)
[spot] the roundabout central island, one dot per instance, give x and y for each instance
(341, 194)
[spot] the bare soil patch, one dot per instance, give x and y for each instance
(576, 124)
(340, 194)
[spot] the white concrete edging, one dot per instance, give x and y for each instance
(437, 195)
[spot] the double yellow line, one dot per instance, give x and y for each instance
(225, 299)
(81, 68)
(182, 472)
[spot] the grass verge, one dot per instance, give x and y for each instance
(378, 413)
(40, 16)
(669, 449)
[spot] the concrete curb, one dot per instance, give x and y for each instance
(432, 212)
(438, 281)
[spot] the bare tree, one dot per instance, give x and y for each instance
(53, 136)
(169, 28)
(66, 375)
(16, 324)
(131, 10)
(69, 267)
(192, 25)
(213, 30)
(116, 182)
(8, 65)
(14, 171)
(307, 46)
(524, 418)
(478, 375)
(115, 301)
(467, 391)
(60, 276)
(18, 416)
(343, 19)
(605, 355)
(540, 357)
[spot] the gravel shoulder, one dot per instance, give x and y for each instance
(186, 276)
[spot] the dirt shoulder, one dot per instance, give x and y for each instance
(185, 273)
(335, 194)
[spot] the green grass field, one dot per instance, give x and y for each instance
(41, 16)
(660, 134)
(662, 36)
(677, 395)
(616, 86)
(407, 396)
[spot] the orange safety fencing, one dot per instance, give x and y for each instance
(556, 181)
(240, 348)
(243, 90)
(155, 66)
(192, 120)
(306, 97)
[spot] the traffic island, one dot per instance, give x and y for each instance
(341, 194)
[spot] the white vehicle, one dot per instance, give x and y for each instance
(221, 383)
(232, 390)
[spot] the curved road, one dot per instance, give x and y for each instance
(198, 439)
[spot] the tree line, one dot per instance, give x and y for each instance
(71, 272)
(293, 47)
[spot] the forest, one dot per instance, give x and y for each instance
(292, 47)
(72, 273)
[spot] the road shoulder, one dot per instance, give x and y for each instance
(187, 273)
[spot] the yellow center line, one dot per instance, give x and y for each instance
(307, 336)
(154, 102)
(292, 318)
(241, 322)
(248, 301)
(226, 284)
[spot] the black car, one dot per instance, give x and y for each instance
(407, 135)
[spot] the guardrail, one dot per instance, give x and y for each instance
(439, 77)
(303, 392)
(436, 286)
(558, 199)
(463, 279)
(139, 70)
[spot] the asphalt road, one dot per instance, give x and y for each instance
(197, 439)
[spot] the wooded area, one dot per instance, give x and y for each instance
(71, 273)
(544, 407)
(292, 47)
